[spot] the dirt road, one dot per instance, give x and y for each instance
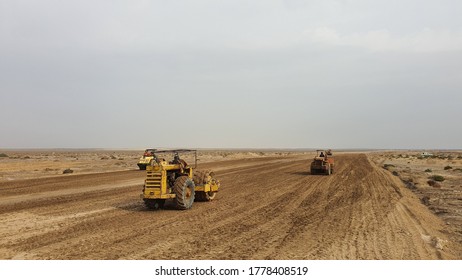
(267, 208)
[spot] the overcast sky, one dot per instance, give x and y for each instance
(231, 74)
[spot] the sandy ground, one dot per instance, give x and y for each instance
(31, 164)
(443, 198)
(269, 207)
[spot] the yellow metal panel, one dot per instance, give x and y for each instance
(207, 188)
(153, 193)
(214, 187)
(156, 168)
(163, 186)
(199, 188)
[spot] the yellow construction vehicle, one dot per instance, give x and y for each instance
(146, 159)
(177, 180)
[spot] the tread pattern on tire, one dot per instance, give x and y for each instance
(180, 188)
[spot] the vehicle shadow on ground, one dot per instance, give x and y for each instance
(305, 173)
(139, 206)
(134, 206)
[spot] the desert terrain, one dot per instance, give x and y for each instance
(377, 205)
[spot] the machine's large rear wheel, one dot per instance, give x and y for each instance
(184, 192)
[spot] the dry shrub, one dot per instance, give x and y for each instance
(387, 166)
(410, 184)
(425, 200)
(433, 183)
(437, 178)
(68, 171)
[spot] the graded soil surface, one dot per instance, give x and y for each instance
(267, 208)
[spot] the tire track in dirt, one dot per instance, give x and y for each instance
(20, 187)
(266, 209)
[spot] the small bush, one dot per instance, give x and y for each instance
(447, 167)
(395, 173)
(434, 184)
(387, 166)
(428, 170)
(425, 200)
(437, 178)
(410, 184)
(68, 171)
(3, 155)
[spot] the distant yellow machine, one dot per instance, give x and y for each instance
(146, 159)
(175, 179)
